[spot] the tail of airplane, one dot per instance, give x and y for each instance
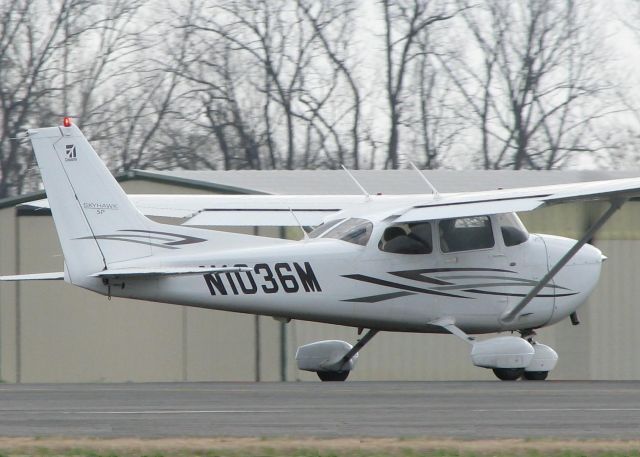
(83, 195)
(97, 224)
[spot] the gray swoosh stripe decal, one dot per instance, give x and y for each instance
(489, 284)
(127, 240)
(171, 240)
(442, 285)
(379, 298)
(382, 282)
(522, 281)
(506, 294)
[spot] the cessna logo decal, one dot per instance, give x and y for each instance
(465, 283)
(164, 240)
(269, 279)
(70, 152)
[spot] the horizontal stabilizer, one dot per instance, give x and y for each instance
(58, 275)
(166, 271)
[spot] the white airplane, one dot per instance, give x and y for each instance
(434, 263)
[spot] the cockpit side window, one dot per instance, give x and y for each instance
(512, 229)
(407, 238)
(465, 234)
(354, 230)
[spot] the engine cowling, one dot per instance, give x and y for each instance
(325, 356)
(502, 352)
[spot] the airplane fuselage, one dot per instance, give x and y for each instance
(333, 281)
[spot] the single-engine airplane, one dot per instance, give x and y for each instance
(434, 263)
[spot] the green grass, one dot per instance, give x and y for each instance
(282, 447)
(310, 452)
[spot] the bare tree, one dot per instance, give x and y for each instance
(277, 42)
(28, 46)
(534, 93)
(403, 22)
(271, 80)
(331, 22)
(431, 113)
(216, 81)
(75, 60)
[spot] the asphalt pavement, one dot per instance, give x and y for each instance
(469, 410)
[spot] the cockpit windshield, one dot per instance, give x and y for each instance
(354, 230)
(322, 228)
(513, 230)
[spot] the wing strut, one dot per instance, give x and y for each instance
(616, 204)
(364, 191)
(434, 191)
(359, 345)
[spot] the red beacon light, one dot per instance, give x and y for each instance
(66, 121)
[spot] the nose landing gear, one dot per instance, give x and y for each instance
(544, 360)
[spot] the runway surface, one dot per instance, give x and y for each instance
(468, 410)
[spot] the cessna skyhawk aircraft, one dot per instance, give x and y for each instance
(435, 263)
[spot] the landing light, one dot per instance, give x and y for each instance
(66, 122)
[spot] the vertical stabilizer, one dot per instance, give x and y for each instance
(88, 205)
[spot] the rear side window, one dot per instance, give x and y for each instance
(465, 234)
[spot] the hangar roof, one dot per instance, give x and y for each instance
(310, 182)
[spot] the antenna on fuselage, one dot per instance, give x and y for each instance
(435, 192)
(364, 191)
(304, 232)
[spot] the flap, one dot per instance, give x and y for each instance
(446, 211)
(255, 217)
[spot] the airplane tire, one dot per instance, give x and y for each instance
(508, 374)
(332, 375)
(535, 375)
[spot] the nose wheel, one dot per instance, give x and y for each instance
(535, 375)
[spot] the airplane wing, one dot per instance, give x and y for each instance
(239, 210)
(312, 210)
(522, 199)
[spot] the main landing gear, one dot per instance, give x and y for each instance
(508, 374)
(331, 360)
(333, 375)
